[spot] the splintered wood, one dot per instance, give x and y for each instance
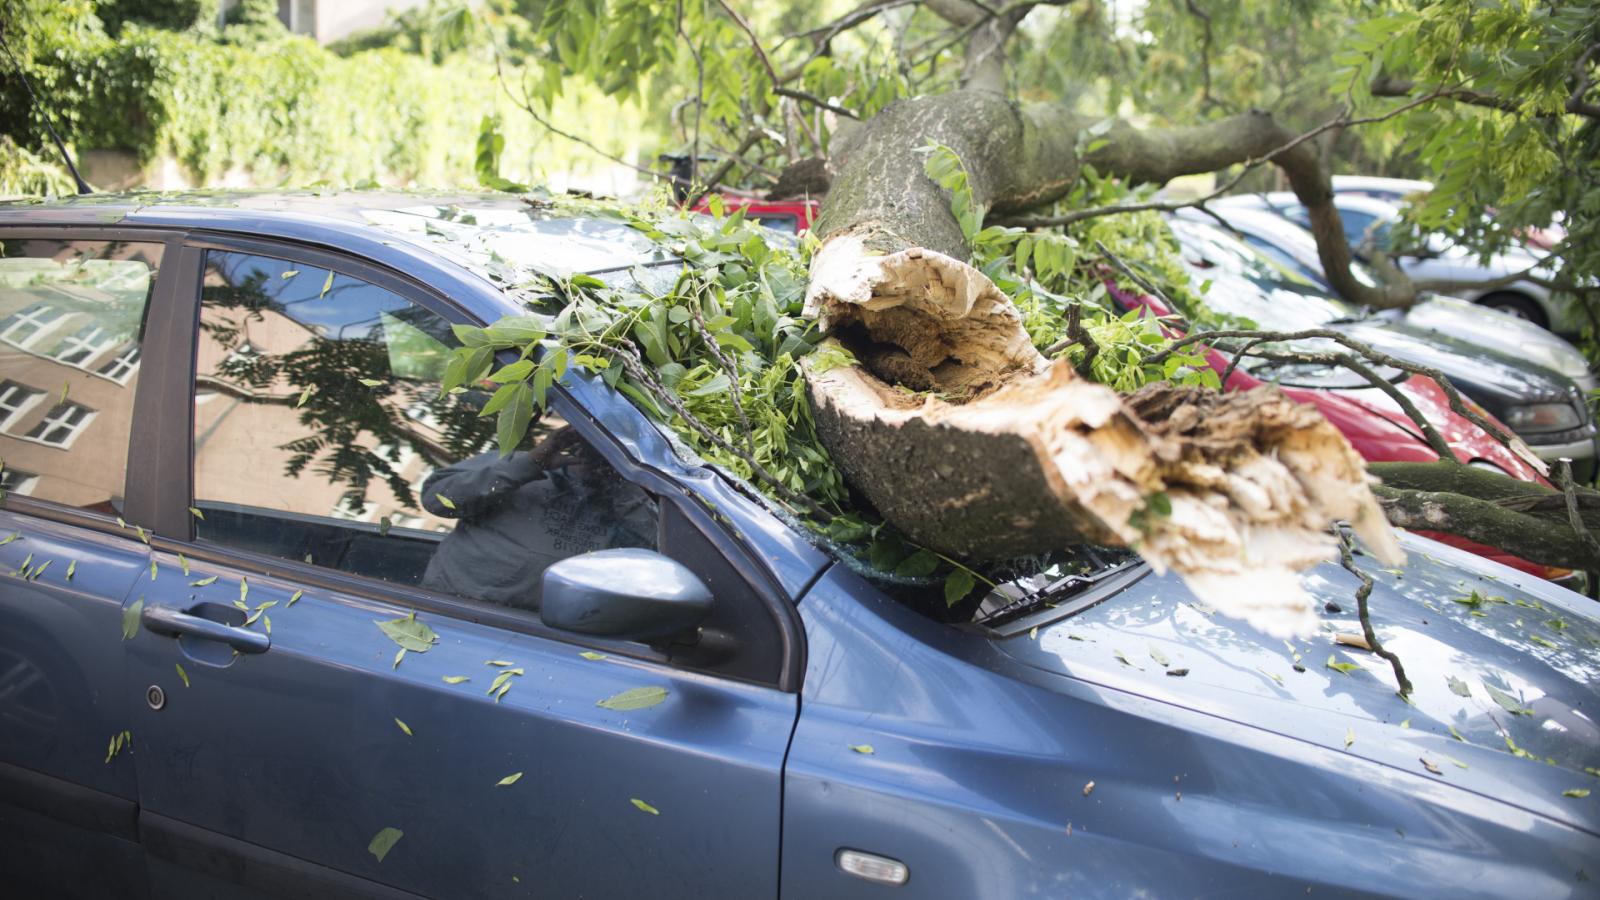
(997, 453)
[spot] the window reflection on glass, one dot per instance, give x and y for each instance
(321, 436)
(71, 321)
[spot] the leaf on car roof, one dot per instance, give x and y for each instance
(636, 698)
(72, 569)
(509, 780)
(1507, 702)
(9, 538)
(863, 749)
(591, 655)
(292, 598)
(644, 807)
(455, 679)
(203, 581)
(130, 619)
(1123, 658)
(403, 726)
(183, 563)
(384, 841)
(1579, 793)
(1334, 664)
(1159, 657)
(1429, 765)
(409, 632)
(1349, 737)
(1458, 687)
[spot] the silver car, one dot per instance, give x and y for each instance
(1294, 248)
(1369, 219)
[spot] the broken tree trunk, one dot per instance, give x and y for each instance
(1005, 454)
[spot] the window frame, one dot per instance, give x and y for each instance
(173, 489)
(136, 497)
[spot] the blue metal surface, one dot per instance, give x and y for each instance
(1035, 764)
(61, 653)
(297, 750)
(1019, 767)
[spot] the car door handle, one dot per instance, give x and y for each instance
(173, 622)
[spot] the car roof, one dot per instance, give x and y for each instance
(1372, 206)
(506, 239)
(1380, 183)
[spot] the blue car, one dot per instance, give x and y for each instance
(277, 620)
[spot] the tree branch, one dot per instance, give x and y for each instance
(1347, 559)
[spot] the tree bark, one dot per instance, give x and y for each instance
(1006, 454)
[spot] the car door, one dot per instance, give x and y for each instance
(77, 310)
(341, 688)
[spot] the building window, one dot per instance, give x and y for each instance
(15, 399)
(16, 481)
(122, 366)
(27, 323)
(62, 425)
(81, 346)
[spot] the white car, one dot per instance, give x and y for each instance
(1369, 219)
(1294, 248)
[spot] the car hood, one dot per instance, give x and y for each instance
(1493, 378)
(1457, 318)
(1506, 699)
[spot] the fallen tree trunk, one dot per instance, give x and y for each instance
(1523, 518)
(1003, 454)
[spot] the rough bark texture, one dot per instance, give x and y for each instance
(1520, 517)
(1008, 455)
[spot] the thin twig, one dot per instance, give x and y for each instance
(635, 367)
(699, 101)
(729, 367)
(721, 171)
(1144, 285)
(1457, 405)
(1347, 559)
(1575, 518)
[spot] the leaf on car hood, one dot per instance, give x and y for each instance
(1507, 702)
(384, 841)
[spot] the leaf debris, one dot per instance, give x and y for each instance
(643, 806)
(384, 841)
(635, 698)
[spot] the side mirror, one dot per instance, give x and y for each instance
(627, 594)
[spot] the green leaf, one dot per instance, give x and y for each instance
(72, 569)
(457, 679)
(509, 780)
(398, 656)
(643, 806)
(637, 698)
(1349, 737)
(403, 726)
(1458, 687)
(370, 382)
(1507, 702)
(957, 585)
(1161, 659)
(327, 285)
(183, 564)
(410, 633)
(1579, 793)
(182, 675)
(498, 662)
(211, 579)
(1343, 667)
(152, 570)
(293, 597)
(591, 655)
(384, 841)
(444, 501)
(516, 416)
(863, 749)
(1159, 504)
(130, 619)
(918, 564)
(197, 513)
(13, 536)
(289, 274)
(244, 588)
(1123, 658)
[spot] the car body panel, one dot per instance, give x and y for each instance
(992, 762)
(298, 750)
(1001, 772)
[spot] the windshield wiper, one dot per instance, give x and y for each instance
(1060, 596)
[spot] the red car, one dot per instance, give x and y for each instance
(1381, 432)
(787, 216)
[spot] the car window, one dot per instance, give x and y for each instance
(321, 436)
(1289, 263)
(71, 319)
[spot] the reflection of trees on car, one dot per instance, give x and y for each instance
(364, 393)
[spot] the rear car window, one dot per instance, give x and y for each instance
(72, 318)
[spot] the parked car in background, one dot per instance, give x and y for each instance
(1369, 219)
(784, 216)
(1402, 190)
(226, 522)
(1372, 421)
(1543, 407)
(1293, 247)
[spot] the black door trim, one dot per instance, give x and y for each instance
(250, 866)
(68, 802)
